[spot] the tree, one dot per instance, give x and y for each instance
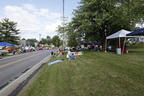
(8, 31)
(23, 39)
(56, 41)
(96, 19)
(72, 36)
(32, 40)
(43, 41)
(72, 41)
(62, 32)
(48, 40)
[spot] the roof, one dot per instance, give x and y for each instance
(5, 44)
(136, 32)
(121, 33)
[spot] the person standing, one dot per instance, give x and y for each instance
(127, 45)
(52, 53)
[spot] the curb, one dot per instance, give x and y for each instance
(13, 88)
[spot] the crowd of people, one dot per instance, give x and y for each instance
(19, 50)
(94, 47)
(28, 49)
(70, 54)
(57, 54)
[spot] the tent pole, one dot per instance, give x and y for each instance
(105, 45)
(123, 45)
(119, 42)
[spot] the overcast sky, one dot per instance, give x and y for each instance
(36, 17)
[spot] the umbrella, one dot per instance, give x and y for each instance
(136, 32)
(5, 44)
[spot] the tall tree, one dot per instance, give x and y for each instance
(56, 41)
(32, 40)
(62, 32)
(8, 31)
(43, 41)
(95, 19)
(23, 39)
(72, 36)
(48, 40)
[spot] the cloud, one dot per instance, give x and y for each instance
(50, 26)
(29, 7)
(32, 21)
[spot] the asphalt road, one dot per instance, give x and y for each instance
(14, 66)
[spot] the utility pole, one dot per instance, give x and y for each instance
(63, 21)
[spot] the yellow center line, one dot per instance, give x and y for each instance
(18, 61)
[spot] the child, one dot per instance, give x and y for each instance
(76, 54)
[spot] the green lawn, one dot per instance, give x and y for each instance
(92, 74)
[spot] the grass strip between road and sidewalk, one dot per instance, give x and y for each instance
(92, 74)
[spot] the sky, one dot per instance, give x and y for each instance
(37, 19)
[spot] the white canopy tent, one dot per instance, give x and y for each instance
(119, 34)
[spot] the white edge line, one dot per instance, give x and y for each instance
(13, 85)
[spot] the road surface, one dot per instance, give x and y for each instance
(13, 67)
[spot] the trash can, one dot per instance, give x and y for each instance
(118, 50)
(123, 48)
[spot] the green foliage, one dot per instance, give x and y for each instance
(96, 19)
(72, 42)
(70, 35)
(46, 40)
(62, 32)
(32, 40)
(43, 41)
(23, 39)
(56, 41)
(8, 31)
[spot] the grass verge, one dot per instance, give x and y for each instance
(92, 74)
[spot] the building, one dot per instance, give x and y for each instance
(24, 43)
